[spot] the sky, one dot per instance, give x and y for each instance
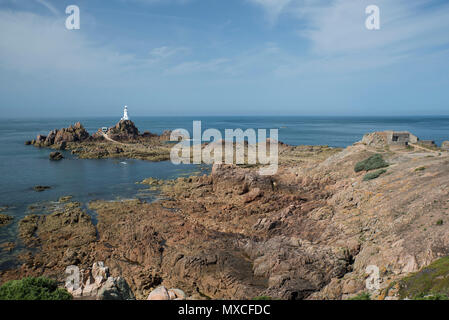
(223, 57)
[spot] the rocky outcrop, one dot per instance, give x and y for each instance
(115, 289)
(375, 139)
(226, 176)
(161, 293)
(75, 133)
(123, 140)
(124, 130)
(59, 138)
(97, 284)
(65, 233)
(212, 240)
(4, 219)
(41, 139)
(309, 232)
(56, 156)
(41, 188)
(295, 268)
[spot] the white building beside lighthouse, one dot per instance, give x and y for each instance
(125, 114)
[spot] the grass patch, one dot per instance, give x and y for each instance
(430, 283)
(361, 296)
(420, 169)
(431, 297)
(374, 175)
(374, 162)
(33, 289)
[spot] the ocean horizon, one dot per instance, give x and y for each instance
(335, 131)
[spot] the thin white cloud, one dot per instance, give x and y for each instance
(338, 40)
(340, 27)
(336, 28)
(334, 32)
(31, 43)
(167, 52)
(159, 2)
(272, 8)
(49, 6)
(215, 65)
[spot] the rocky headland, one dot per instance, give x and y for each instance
(121, 141)
(308, 232)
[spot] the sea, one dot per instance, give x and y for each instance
(23, 167)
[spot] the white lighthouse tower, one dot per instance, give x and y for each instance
(125, 114)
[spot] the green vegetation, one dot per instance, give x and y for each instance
(374, 175)
(263, 298)
(431, 297)
(440, 222)
(374, 162)
(420, 169)
(361, 296)
(430, 283)
(33, 289)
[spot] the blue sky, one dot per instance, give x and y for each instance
(224, 57)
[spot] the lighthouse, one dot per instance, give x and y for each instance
(125, 113)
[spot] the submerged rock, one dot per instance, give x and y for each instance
(65, 199)
(41, 188)
(4, 219)
(7, 246)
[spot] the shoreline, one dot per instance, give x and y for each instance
(307, 232)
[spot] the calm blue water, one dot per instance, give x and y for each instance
(22, 167)
(295, 130)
